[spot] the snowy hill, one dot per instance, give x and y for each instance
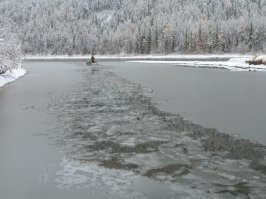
(138, 26)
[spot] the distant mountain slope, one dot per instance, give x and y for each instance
(138, 26)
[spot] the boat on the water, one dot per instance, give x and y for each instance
(92, 61)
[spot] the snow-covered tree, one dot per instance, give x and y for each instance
(10, 48)
(138, 26)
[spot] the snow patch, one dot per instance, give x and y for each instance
(239, 59)
(11, 75)
(261, 57)
(130, 142)
(233, 64)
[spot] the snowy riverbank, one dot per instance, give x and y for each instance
(235, 63)
(135, 57)
(232, 62)
(11, 75)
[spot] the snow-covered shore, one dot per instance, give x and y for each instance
(135, 57)
(11, 75)
(235, 63)
(232, 62)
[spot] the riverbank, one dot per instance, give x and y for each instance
(11, 75)
(122, 57)
(232, 62)
(241, 63)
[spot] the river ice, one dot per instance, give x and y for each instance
(116, 140)
(233, 64)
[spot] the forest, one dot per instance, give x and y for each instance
(138, 26)
(10, 46)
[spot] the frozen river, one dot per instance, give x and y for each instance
(233, 102)
(73, 131)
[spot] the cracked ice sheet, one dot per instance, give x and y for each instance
(107, 183)
(112, 128)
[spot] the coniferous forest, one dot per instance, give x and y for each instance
(138, 26)
(10, 45)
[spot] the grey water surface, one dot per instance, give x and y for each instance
(33, 164)
(68, 130)
(29, 160)
(232, 102)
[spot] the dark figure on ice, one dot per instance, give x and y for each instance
(93, 59)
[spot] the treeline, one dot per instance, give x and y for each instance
(138, 26)
(10, 47)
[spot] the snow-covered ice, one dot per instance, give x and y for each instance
(235, 63)
(11, 75)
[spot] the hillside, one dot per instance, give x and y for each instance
(138, 26)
